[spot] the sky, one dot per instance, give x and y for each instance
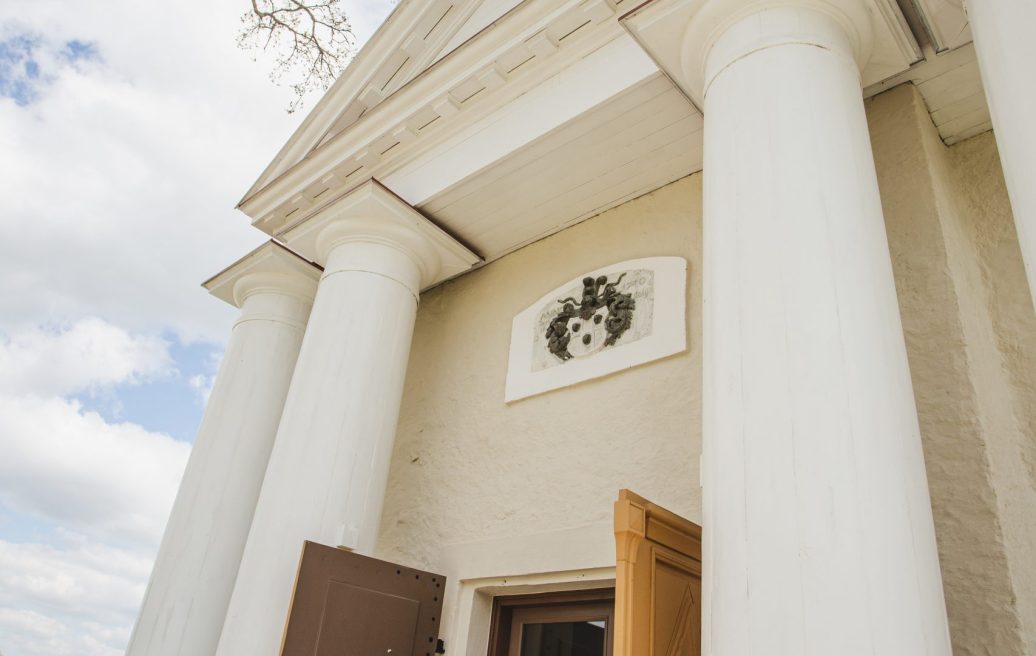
(128, 131)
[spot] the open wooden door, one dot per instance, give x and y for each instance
(657, 580)
(346, 604)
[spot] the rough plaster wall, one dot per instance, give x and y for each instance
(964, 396)
(986, 219)
(468, 467)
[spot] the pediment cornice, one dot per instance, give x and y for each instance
(401, 48)
(526, 46)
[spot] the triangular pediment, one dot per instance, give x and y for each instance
(482, 16)
(416, 35)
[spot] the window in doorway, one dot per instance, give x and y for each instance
(575, 623)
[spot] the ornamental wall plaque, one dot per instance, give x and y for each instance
(614, 318)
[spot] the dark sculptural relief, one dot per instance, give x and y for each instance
(582, 319)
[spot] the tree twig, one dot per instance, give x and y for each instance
(311, 41)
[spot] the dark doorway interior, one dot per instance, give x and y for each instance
(555, 624)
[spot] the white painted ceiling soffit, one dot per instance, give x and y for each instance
(660, 26)
(946, 22)
(531, 42)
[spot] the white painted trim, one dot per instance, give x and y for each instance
(372, 213)
(269, 265)
(475, 602)
(602, 75)
(269, 203)
(578, 558)
(946, 22)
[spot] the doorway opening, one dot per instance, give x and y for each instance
(576, 623)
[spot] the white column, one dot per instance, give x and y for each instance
(819, 534)
(194, 573)
(328, 471)
(1006, 51)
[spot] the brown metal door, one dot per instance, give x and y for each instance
(657, 580)
(346, 604)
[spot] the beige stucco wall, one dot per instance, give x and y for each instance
(473, 478)
(1011, 346)
(969, 331)
(468, 467)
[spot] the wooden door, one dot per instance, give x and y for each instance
(657, 580)
(346, 604)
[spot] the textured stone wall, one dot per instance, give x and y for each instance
(469, 468)
(986, 213)
(968, 405)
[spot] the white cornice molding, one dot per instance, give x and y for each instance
(400, 49)
(270, 267)
(716, 19)
(422, 45)
(349, 84)
(480, 76)
(946, 22)
(678, 34)
(372, 213)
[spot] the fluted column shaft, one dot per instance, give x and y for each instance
(329, 468)
(818, 529)
(194, 573)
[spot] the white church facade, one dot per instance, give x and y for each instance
(633, 328)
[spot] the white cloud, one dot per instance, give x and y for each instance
(202, 383)
(107, 487)
(87, 355)
(119, 179)
(76, 598)
(105, 491)
(112, 481)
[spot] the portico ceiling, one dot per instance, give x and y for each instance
(636, 142)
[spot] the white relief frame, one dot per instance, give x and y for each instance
(658, 329)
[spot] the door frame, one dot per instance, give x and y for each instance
(512, 611)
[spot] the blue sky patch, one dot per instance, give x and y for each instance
(172, 404)
(76, 50)
(21, 75)
(19, 70)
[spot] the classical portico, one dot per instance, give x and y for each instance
(339, 419)
(469, 137)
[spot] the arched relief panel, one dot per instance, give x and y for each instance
(604, 321)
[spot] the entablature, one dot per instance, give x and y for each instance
(530, 43)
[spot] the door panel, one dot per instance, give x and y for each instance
(658, 580)
(346, 604)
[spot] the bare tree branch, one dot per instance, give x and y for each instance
(311, 41)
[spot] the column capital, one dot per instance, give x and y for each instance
(271, 268)
(723, 31)
(682, 35)
(372, 214)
